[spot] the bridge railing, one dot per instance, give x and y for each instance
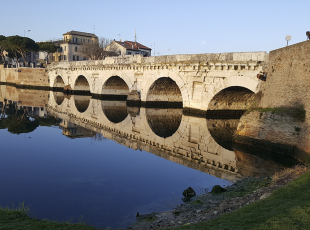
(182, 58)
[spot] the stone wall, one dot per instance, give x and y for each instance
(287, 85)
(24, 76)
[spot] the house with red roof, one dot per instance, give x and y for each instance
(129, 48)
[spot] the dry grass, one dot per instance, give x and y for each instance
(290, 173)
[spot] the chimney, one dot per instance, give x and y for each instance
(120, 40)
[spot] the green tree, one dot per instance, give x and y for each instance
(47, 47)
(21, 45)
(2, 43)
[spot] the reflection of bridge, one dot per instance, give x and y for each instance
(191, 79)
(164, 132)
(186, 140)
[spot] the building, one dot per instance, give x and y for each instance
(70, 47)
(128, 48)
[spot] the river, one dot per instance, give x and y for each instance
(72, 157)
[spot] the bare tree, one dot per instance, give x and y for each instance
(96, 50)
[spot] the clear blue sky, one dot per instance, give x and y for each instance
(185, 27)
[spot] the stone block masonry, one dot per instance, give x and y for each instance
(192, 80)
(287, 85)
(24, 76)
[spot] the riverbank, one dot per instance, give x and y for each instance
(210, 208)
(18, 218)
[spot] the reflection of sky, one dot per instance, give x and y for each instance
(62, 178)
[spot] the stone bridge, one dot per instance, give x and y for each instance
(194, 80)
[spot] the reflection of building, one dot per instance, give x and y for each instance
(69, 48)
(129, 48)
(34, 111)
(72, 130)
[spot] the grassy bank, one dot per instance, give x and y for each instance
(287, 208)
(17, 218)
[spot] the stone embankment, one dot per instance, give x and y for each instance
(24, 76)
(281, 118)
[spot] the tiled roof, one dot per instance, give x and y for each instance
(132, 45)
(72, 32)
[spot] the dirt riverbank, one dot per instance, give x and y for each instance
(210, 206)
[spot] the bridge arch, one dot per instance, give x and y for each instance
(172, 76)
(245, 83)
(164, 89)
(232, 98)
(115, 85)
(59, 82)
(81, 84)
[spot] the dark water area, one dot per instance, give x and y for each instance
(72, 157)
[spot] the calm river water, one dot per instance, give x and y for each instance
(72, 157)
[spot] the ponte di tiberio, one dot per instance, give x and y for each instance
(198, 81)
(225, 81)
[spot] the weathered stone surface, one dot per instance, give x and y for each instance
(287, 85)
(134, 95)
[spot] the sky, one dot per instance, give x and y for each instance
(171, 27)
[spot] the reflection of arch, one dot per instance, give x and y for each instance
(115, 111)
(164, 89)
(164, 122)
(115, 86)
(81, 84)
(59, 82)
(232, 98)
(59, 97)
(82, 102)
(222, 131)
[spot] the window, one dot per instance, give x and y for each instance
(61, 57)
(65, 57)
(75, 49)
(129, 52)
(73, 57)
(77, 58)
(65, 48)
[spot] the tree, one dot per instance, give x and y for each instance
(2, 41)
(21, 45)
(96, 50)
(17, 121)
(47, 47)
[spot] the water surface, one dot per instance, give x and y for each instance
(69, 157)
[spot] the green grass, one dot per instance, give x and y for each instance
(17, 218)
(287, 208)
(297, 112)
